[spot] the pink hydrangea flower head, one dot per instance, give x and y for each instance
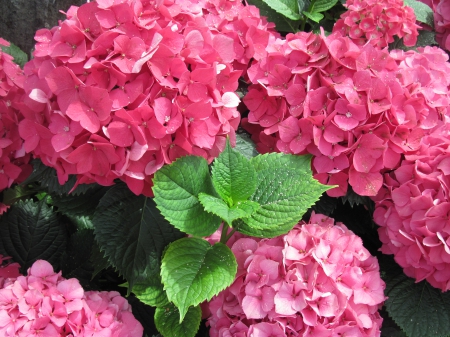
(441, 12)
(413, 210)
(14, 167)
(377, 22)
(317, 279)
(45, 303)
(120, 88)
(356, 109)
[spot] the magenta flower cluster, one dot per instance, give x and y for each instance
(121, 88)
(14, 167)
(317, 280)
(356, 109)
(377, 22)
(413, 210)
(45, 304)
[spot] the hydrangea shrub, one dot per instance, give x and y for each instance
(150, 96)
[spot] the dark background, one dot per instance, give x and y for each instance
(20, 19)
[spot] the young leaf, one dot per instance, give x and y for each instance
(193, 271)
(30, 231)
(233, 177)
(418, 308)
(168, 324)
(151, 291)
(423, 12)
(131, 232)
(289, 8)
(322, 5)
(217, 206)
(314, 16)
(176, 188)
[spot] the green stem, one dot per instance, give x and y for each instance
(223, 236)
(231, 234)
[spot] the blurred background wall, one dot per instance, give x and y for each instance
(19, 19)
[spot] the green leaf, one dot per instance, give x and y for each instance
(303, 5)
(79, 204)
(75, 259)
(289, 8)
(282, 23)
(193, 271)
(99, 260)
(280, 160)
(82, 222)
(30, 231)
(46, 177)
(352, 198)
(233, 177)
(423, 12)
(151, 291)
(245, 145)
(418, 308)
(131, 232)
(217, 206)
(322, 6)
(20, 57)
(167, 321)
(176, 188)
(285, 192)
(425, 38)
(314, 16)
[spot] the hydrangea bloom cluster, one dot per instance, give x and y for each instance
(8, 269)
(318, 279)
(377, 22)
(356, 109)
(413, 211)
(121, 88)
(14, 165)
(45, 304)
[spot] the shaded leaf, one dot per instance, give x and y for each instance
(75, 259)
(131, 232)
(418, 308)
(30, 231)
(79, 204)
